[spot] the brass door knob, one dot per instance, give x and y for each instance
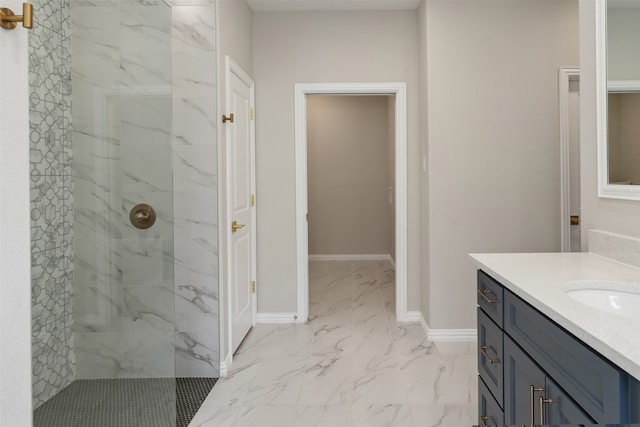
(142, 216)
(235, 226)
(575, 219)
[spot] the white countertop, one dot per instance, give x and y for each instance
(539, 279)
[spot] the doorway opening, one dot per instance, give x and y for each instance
(569, 110)
(398, 92)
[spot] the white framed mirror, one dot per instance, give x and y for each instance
(618, 98)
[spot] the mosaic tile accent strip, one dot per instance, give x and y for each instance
(49, 358)
(53, 360)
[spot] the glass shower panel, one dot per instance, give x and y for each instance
(122, 313)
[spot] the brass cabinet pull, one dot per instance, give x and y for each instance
(483, 293)
(235, 226)
(484, 419)
(226, 119)
(9, 20)
(483, 350)
(533, 389)
(543, 401)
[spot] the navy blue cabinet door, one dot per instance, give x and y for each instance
(490, 364)
(489, 412)
(560, 409)
(521, 375)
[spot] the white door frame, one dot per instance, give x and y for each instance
(302, 237)
(226, 323)
(565, 75)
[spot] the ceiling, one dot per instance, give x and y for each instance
(307, 5)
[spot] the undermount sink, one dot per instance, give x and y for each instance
(620, 298)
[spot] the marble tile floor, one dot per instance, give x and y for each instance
(352, 364)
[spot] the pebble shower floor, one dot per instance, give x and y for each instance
(125, 402)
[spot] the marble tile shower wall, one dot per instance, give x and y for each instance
(123, 282)
(195, 187)
(51, 200)
(145, 302)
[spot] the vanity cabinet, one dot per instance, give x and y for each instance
(531, 396)
(532, 371)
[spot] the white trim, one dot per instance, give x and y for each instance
(225, 365)
(445, 335)
(352, 257)
(414, 316)
(565, 75)
(452, 335)
(424, 325)
(302, 245)
(224, 292)
(623, 86)
(601, 94)
(278, 318)
(606, 190)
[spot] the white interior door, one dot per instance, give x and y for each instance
(240, 164)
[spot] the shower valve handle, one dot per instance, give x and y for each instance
(142, 216)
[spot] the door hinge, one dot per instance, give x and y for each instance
(307, 217)
(253, 200)
(253, 287)
(251, 113)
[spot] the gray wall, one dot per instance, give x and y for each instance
(424, 149)
(51, 202)
(493, 138)
(348, 177)
(307, 47)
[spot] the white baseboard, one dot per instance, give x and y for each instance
(414, 316)
(225, 365)
(424, 325)
(452, 335)
(275, 318)
(445, 335)
(351, 257)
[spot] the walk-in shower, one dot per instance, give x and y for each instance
(124, 213)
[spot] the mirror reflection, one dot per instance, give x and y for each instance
(624, 138)
(623, 87)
